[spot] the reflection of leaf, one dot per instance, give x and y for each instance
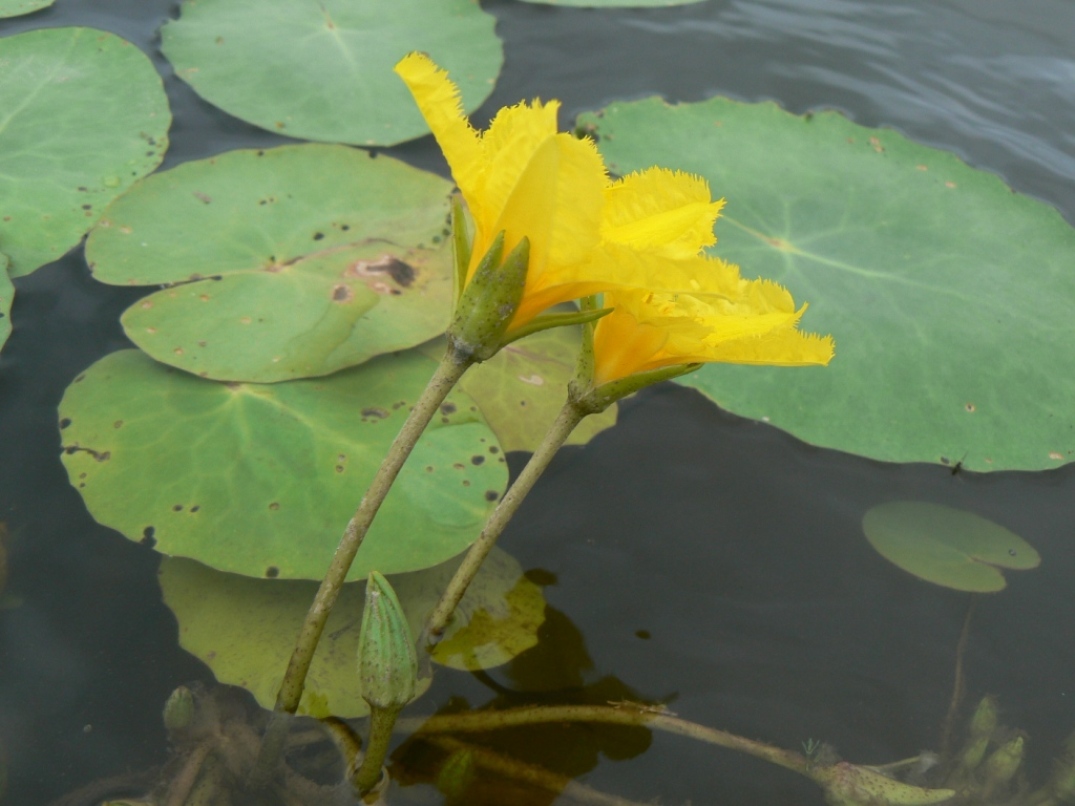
(947, 546)
(571, 750)
(245, 629)
(262, 479)
(497, 619)
(948, 295)
(70, 142)
(522, 388)
(323, 71)
(307, 259)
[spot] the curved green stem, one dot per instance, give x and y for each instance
(451, 369)
(569, 417)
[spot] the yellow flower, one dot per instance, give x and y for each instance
(748, 322)
(587, 234)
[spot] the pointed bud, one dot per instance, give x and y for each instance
(387, 661)
(982, 726)
(489, 301)
(850, 785)
(179, 710)
(999, 769)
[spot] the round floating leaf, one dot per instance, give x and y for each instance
(948, 295)
(7, 294)
(947, 546)
(323, 71)
(615, 3)
(84, 115)
(262, 479)
(522, 388)
(16, 8)
(497, 619)
(244, 629)
(291, 262)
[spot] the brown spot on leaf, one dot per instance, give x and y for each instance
(177, 508)
(477, 459)
(374, 411)
(148, 538)
(272, 572)
(342, 293)
(275, 505)
(203, 198)
(66, 421)
(491, 495)
(402, 273)
(118, 424)
(447, 408)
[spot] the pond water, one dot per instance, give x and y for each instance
(691, 557)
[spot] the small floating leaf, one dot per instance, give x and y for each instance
(947, 546)
(323, 71)
(306, 259)
(84, 116)
(262, 479)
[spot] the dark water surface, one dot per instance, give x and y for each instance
(704, 559)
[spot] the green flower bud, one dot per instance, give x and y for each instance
(850, 785)
(455, 775)
(179, 709)
(980, 732)
(489, 301)
(387, 661)
(999, 769)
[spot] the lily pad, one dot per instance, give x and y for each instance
(615, 3)
(497, 619)
(285, 263)
(7, 294)
(948, 294)
(323, 71)
(522, 388)
(70, 142)
(16, 8)
(245, 629)
(262, 479)
(946, 546)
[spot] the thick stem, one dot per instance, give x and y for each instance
(368, 775)
(451, 369)
(569, 417)
(619, 714)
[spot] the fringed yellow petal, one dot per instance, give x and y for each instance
(439, 101)
(508, 145)
(557, 204)
(624, 346)
(662, 211)
(758, 326)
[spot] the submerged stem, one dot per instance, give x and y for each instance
(451, 369)
(619, 714)
(958, 686)
(569, 417)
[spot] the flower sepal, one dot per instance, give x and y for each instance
(590, 399)
(489, 301)
(547, 321)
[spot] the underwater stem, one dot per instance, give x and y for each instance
(451, 369)
(569, 417)
(618, 714)
(959, 684)
(369, 772)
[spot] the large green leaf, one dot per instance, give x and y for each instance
(948, 295)
(323, 70)
(291, 262)
(947, 546)
(7, 294)
(82, 115)
(262, 479)
(15, 8)
(245, 629)
(614, 3)
(522, 388)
